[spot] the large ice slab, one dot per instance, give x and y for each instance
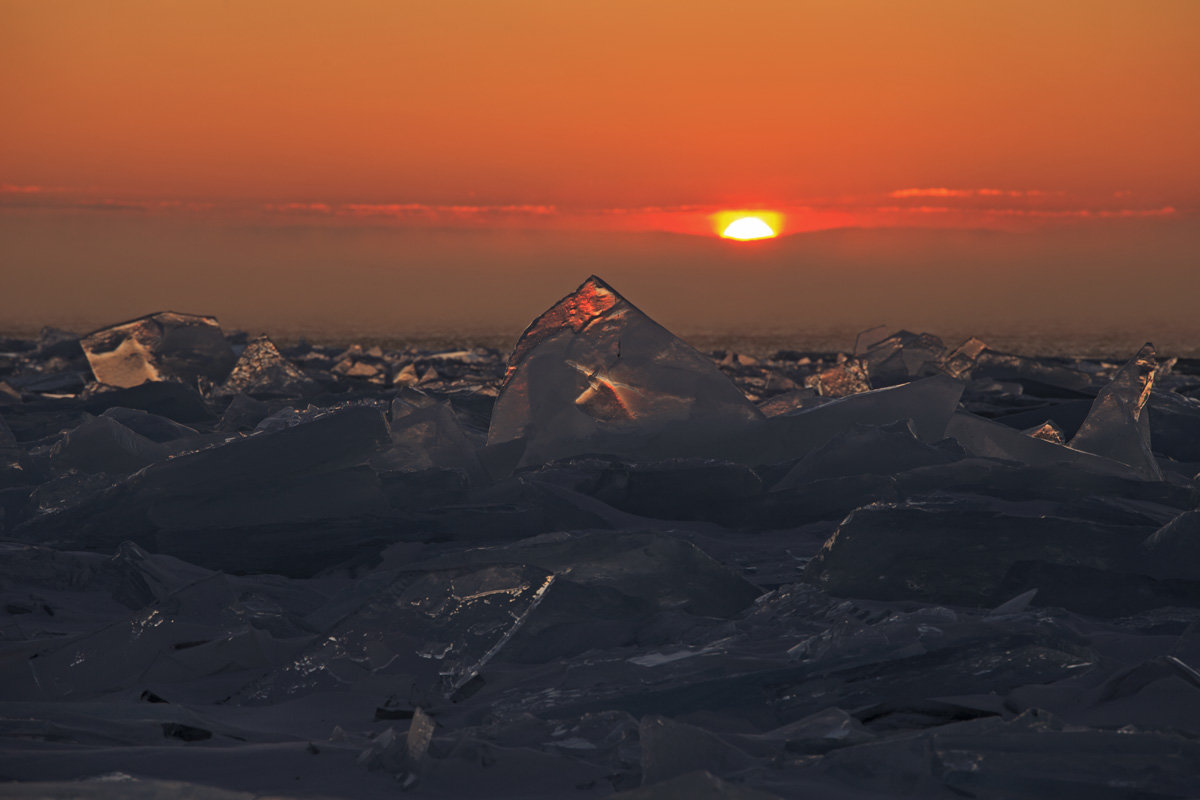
(612, 588)
(657, 571)
(253, 504)
(152, 426)
(198, 630)
(424, 635)
(101, 444)
(674, 489)
(975, 551)
(159, 347)
(1118, 425)
(1173, 551)
(989, 439)
(425, 434)
(1042, 376)
(11, 453)
(595, 374)
(869, 450)
(165, 398)
(928, 403)
(671, 749)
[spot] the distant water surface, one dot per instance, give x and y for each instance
(1049, 341)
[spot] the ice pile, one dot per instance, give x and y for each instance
(610, 566)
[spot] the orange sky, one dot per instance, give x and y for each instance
(594, 116)
(586, 105)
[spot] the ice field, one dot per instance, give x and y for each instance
(603, 564)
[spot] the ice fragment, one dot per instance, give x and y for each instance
(595, 374)
(159, 347)
(1118, 425)
(262, 371)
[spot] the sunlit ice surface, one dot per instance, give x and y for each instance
(747, 225)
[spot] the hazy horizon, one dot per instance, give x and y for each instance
(1118, 285)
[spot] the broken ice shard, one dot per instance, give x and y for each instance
(159, 347)
(903, 356)
(360, 364)
(1118, 425)
(1035, 374)
(8, 395)
(164, 398)
(841, 380)
(869, 450)
(232, 507)
(987, 438)
(12, 470)
(671, 749)
(243, 414)
(262, 371)
(405, 757)
(594, 369)
(425, 434)
(197, 630)
(426, 634)
(968, 551)
(101, 444)
(959, 362)
(1047, 432)
(1173, 551)
(928, 402)
(152, 426)
(56, 342)
(649, 571)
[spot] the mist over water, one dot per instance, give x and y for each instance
(1093, 289)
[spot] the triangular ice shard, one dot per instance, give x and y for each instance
(985, 438)
(262, 371)
(595, 374)
(1118, 425)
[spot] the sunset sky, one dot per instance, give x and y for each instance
(405, 164)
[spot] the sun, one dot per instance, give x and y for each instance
(746, 228)
(747, 225)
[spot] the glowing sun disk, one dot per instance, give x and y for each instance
(748, 228)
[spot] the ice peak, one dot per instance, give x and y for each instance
(1116, 426)
(591, 300)
(593, 364)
